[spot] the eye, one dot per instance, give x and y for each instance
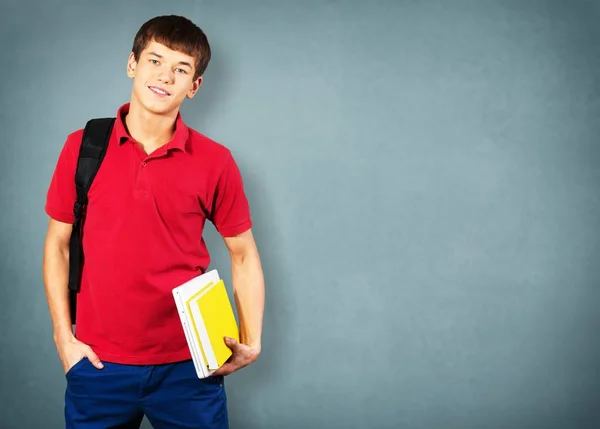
(153, 61)
(181, 71)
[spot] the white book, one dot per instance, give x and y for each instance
(182, 294)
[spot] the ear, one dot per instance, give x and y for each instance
(194, 88)
(131, 65)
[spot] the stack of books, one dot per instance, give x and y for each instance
(207, 318)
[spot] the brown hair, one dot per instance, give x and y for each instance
(177, 33)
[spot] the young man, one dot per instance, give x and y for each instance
(158, 184)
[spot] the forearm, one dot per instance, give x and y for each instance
(56, 278)
(249, 293)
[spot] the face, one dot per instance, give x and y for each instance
(162, 78)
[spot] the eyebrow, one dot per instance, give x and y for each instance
(183, 63)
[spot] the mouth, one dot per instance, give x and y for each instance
(159, 91)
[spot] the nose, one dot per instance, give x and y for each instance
(166, 75)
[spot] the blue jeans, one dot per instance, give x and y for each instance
(118, 396)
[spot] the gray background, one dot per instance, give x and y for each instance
(424, 183)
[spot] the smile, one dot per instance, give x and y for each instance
(159, 91)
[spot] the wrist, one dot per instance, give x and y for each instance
(250, 342)
(62, 336)
(256, 347)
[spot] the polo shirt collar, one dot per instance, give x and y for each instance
(178, 141)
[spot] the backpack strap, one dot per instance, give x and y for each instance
(91, 154)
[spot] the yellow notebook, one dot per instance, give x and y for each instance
(213, 309)
(207, 317)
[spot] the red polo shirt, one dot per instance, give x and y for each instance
(143, 236)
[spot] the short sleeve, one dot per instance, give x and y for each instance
(231, 211)
(61, 194)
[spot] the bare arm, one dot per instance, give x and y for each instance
(248, 286)
(249, 294)
(56, 277)
(56, 280)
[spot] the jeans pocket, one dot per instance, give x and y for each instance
(78, 364)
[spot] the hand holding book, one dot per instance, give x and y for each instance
(242, 355)
(210, 327)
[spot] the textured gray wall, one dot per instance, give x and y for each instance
(424, 181)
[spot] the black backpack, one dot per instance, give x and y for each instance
(96, 135)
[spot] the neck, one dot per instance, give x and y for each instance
(149, 129)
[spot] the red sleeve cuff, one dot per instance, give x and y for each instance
(61, 216)
(232, 231)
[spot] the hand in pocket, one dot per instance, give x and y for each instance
(72, 351)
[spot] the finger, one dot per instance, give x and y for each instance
(224, 370)
(218, 372)
(94, 359)
(231, 343)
